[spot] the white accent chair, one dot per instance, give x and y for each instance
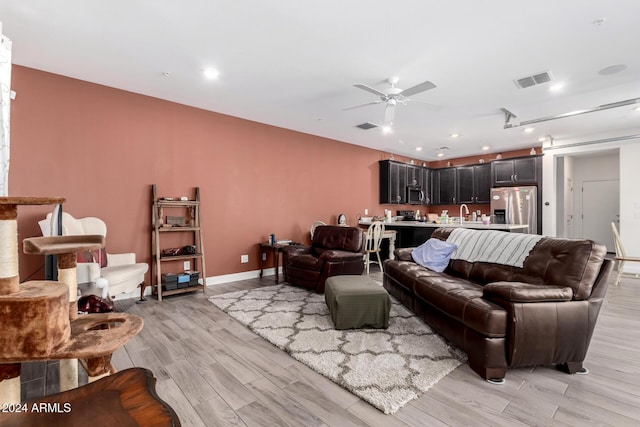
(313, 226)
(373, 240)
(122, 274)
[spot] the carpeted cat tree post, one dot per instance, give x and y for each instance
(38, 319)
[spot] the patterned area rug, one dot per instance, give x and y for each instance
(386, 368)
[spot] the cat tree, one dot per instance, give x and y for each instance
(39, 319)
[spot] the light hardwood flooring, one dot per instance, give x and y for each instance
(215, 372)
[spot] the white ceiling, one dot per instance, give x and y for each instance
(293, 63)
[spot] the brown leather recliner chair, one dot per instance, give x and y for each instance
(334, 251)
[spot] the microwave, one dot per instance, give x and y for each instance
(415, 195)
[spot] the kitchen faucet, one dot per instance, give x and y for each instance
(466, 209)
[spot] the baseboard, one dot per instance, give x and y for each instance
(213, 281)
(245, 275)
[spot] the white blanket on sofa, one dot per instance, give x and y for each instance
(498, 247)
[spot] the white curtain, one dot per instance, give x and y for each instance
(5, 106)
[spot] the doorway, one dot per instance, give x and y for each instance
(600, 207)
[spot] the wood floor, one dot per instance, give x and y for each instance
(215, 372)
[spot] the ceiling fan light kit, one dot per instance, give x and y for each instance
(392, 96)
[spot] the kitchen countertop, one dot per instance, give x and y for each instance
(466, 224)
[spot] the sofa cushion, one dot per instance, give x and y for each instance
(434, 254)
(555, 262)
(405, 273)
(462, 300)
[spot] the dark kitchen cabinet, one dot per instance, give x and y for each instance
(444, 186)
(418, 176)
(426, 186)
(518, 171)
(473, 184)
(393, 182)
(415, 175)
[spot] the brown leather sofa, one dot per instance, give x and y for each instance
(334, 250)
(503, 316)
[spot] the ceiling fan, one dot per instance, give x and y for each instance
(392, 96)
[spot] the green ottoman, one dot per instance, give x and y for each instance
(357, 302)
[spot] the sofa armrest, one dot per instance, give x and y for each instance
(403, 254)
(295, 250)
(121, 259)
(544, 325)
(336, 255)
(526, 292)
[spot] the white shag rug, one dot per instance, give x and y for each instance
(385, 367)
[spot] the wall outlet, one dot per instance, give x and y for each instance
(264, 257)
(187, 265)
(244, 258)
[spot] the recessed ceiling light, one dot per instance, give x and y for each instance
(454, 135)
(528, 130)
(440, 154)
(556, 87)
(486, 147)
(418, 148)
(637, 108)
(211, 73)
(387, 129)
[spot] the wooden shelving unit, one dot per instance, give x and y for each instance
(192, 226)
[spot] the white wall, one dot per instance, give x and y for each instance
(599, 167)
(630, 203)
(629, 195)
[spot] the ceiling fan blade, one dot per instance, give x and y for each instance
(361, 105)
(371, 90)
(424, 86)
(389, 112)
(430, 106)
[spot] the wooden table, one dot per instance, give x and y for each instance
(127, 398)
(265, 248)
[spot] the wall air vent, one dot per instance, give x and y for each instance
(533, 80)
(367, 126)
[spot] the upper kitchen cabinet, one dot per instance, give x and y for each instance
(393, 182)
(517, 171)
(444, 186)
(473, 184)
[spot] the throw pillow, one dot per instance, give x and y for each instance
(434, 254)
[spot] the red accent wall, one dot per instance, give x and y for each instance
(102, 148)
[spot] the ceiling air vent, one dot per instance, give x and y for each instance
(367, 126)
(533, 80)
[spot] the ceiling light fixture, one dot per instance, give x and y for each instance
(387, 129)
(556, 87)
(440, 154)
(418, 148)
(486, 147)
(529, 130)
(637, 109)
(454, 135)
(211, 73)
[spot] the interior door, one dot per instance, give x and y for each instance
(600, 207)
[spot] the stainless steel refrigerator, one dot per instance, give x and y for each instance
(515, 205)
